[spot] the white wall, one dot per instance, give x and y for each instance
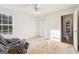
(52, 22)
(24, 26)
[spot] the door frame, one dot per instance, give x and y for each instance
(62, 27)
(78, 33)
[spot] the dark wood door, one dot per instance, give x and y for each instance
(67, 28)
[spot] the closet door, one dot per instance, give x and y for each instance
(67, 28)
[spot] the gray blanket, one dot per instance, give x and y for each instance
(13, 43)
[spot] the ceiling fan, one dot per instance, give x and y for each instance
(36, 9)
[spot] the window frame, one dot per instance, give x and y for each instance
(8, 24)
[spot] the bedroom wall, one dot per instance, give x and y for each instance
(24, 26)
(52, 22)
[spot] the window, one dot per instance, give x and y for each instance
(6, 26)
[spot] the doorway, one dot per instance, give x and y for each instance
(67, 29)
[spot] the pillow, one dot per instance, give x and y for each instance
(7, 39)
(9, 36)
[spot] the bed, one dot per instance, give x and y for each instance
(50, 47)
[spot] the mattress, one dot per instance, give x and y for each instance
(50, 47)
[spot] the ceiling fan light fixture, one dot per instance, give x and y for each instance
(36, 9)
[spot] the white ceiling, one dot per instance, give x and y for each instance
(43, 8)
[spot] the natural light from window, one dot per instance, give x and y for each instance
(55, 34)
